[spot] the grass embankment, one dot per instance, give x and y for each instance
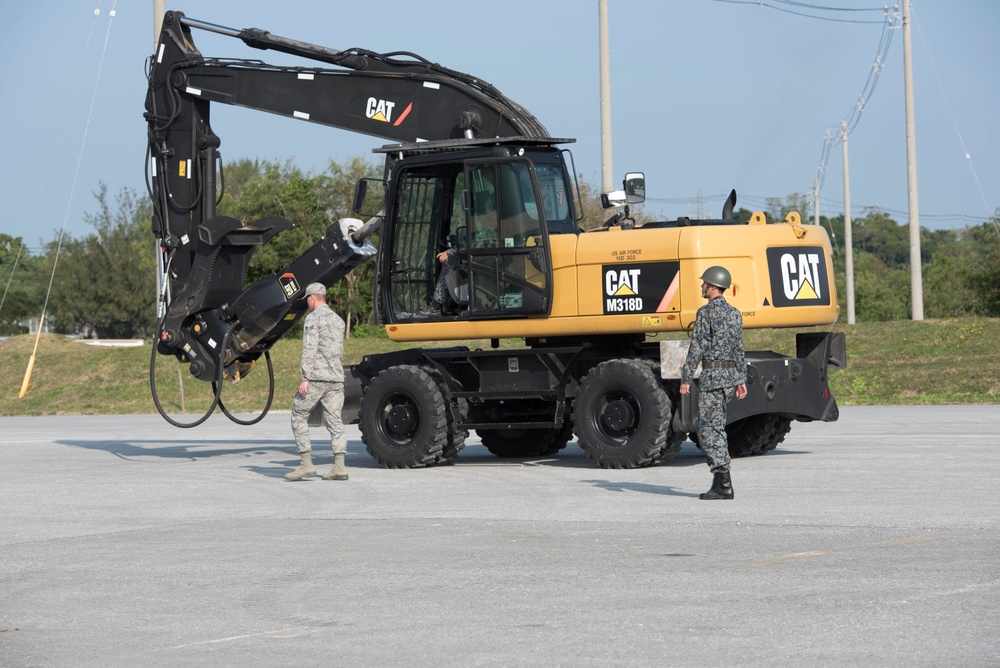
(903, 362)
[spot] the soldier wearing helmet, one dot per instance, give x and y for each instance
(717, 344)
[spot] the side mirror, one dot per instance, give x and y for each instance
(369, 201)
(635, 187)
(613, 199)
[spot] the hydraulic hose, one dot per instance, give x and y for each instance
(270, 397)
(156, 398)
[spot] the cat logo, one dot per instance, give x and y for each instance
(636, 287)
(624, 283)
(798, 276)
(381, 110)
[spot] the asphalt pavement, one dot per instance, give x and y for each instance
(872, 541)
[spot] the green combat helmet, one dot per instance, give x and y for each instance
(717, 276)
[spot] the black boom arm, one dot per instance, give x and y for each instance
(209, 317)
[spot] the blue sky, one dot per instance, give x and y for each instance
(707, 96)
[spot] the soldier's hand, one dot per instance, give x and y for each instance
(304, 387)
(685, 389)
(741, 390)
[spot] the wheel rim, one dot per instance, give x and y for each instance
(618, 415)
(399, 420)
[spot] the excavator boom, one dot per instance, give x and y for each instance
(400, 97)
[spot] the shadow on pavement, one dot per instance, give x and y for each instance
(190, 450)
(663, 490)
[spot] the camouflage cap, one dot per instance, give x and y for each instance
(315, 289)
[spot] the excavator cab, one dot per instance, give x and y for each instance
(495, 209)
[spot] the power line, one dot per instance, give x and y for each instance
(834, 134)
(758, 3)
(965, 151)
(830, 9)
(83, 144)
(52, 153)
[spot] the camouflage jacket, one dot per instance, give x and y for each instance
(322, 345)
(718, 336)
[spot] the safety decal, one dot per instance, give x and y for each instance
(637, 288)
(798, 276)
(289, 285)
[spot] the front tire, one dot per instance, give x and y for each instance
(403, 419)
(622, 414)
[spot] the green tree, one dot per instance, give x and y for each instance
(105, 284)
(21, 284)
(963, 276)
(778, 209)
(877, 233)
(881, 292)
(254, 190)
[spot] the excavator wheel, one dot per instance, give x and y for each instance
(782, 425)
(524, 443)
(675, 439)
(622, 414)
(456, 436)
(756, 434)
(404, 420)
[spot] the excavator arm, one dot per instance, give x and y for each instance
(209, 318)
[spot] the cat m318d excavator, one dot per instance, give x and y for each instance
(472, 169)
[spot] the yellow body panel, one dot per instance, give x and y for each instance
(648, 280)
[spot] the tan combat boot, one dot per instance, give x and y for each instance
(305, 469)
(339, 471)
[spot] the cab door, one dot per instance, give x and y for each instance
(505, 245)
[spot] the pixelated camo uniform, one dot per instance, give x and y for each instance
(441, 294)
(717, 337)
(322, 349)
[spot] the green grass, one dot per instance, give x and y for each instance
(901, 362)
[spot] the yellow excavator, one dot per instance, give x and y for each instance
(473, 174)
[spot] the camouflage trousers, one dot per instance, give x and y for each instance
(441, 288)
(331, 395)
(712, 427)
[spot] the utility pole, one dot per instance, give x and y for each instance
(607, 170)
(848, 235)
(159, 9)
(916, 279)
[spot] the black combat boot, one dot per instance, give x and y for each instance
(722, 488)
(432, 310)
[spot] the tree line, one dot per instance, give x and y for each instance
(105, 282)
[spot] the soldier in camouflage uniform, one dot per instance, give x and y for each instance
(322, 382)
(717, 343)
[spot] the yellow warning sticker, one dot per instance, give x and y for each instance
(651, 321)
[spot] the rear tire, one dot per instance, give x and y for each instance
(782, 425)
(622, 414)
(756, 434)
